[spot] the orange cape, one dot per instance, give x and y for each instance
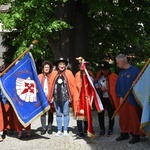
(69, 77)
(112, 79)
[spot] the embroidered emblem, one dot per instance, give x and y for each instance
(26, 89)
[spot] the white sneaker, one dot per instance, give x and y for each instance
(66, 133)
(59, 133)
(1, 139)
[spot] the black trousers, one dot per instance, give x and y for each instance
(50, 120)
(82, 126)
(101, 116)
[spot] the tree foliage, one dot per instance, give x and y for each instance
(120, 27)
(32, 20)
(96, 29)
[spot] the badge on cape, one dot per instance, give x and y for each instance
(60, 81)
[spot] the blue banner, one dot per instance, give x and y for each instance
(23, 90)
(142, 93)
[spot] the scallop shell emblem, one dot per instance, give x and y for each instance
(26, 89)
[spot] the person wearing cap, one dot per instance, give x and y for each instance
(130, 113)
(44, 80)
(61, 88)
(105, 83)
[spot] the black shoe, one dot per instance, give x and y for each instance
(29, 136)
(102, 133)
(10, 132)
(81, 135)
(19, 136)
(109, 133)
(134, 140)
(43, 132)
(123, 136)
(49, 131)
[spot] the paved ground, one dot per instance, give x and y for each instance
(47, 142)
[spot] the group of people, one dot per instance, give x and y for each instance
(59, 87)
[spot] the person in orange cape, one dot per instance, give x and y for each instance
(19, 127)
(61, 89)
(130, 112)
(81, 118)
(84, 96)
(6, 117)
(105, 83)
(44, 80)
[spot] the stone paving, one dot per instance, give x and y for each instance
(48, 142)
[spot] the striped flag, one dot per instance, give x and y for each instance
(88, 95)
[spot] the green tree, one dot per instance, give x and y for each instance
(120, 27)
(93, 29)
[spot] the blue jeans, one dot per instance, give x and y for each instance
(62, 110)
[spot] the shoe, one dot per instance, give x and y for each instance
(80, 135)
(109, 133)
(10, 132)
(49, 131)
(5, 132)
(20, 135)
(43, 132)
(65, 133)
(59, 133)
(123, 136)
(134, 140)
(102, 133)
(28, 136)
(1, 139)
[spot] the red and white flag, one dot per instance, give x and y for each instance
(88, 94)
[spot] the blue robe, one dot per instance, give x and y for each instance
(125, 80)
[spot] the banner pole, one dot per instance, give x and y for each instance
(17, 59)
(127, 94)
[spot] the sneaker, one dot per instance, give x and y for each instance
(66, 133)
(102, 133)
(109, 133)
(59, 133)
(1, 139)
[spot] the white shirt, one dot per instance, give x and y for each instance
(103, 83)
(46, 86)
